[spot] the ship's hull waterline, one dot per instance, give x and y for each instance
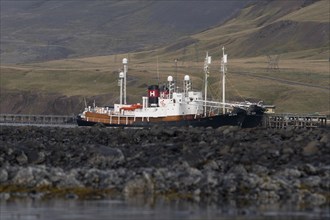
(244, 121)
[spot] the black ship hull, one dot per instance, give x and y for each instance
(252, 121)
(241, 120)
(254, 117)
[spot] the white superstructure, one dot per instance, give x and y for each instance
(169, 103)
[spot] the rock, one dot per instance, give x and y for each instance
(169, 132)
(287, 151)
(22, 159)
(149, 185)
(69, 181)
(99, 126)
(227, 130)
(325, 138)
(238, 170)
(3, 175)
(309, 169)
(211, 165)
(44, 183)
(270, 185)
(259, 170)
(299, 138)
(135, 186)
(93, 178)
(210, 179)
(290, 173)
(224, 150)
(257, 165)
(202, 144)
(312, 181)
(105, 157)
(190, 178)
(315, 199)
(229, 184)
(24, 177)
(325, 183)
(41, 176)
(55, 175)
(197, 192)
(287, 134)
(311, 148)
(250, 181)
(40, 158)
(268, 196)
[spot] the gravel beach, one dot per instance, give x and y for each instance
(254, 165)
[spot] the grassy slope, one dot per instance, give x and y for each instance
(247, 78)
(43, 30)
(317, 12)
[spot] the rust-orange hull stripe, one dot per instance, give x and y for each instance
(128, 120)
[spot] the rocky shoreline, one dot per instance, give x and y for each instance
(228, 163)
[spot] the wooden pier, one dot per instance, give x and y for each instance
(277, 121)
(294, 120)
(37, 119)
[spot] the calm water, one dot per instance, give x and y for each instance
(149, 210)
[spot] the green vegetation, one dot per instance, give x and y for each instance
(51, 192)
(297, 87)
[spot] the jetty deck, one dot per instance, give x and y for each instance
(277, 121)
(25, 119)
(295, 120)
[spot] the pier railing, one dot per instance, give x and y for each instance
(37, 119)
(278, 121)
(295, 120)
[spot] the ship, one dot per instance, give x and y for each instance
(168, 105)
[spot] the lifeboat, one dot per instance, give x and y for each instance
(131, 107)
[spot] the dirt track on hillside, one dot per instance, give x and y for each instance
(284, 81)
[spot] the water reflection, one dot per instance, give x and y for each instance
(159, 209)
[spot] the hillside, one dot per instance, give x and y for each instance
(297, 31)
(294, 29)
(39, 30)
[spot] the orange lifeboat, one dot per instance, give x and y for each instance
(131, 107)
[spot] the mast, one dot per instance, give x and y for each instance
(157, 71)
(223, 68)
(121, 79)
(176, 75)
(207, 61)
(125, 61)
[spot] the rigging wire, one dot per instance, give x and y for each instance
(217, 91)
(234, 88)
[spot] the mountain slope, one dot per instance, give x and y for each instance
(267, 27)
(36, 30)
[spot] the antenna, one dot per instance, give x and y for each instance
(176, 72)
(207, 61)
(125, 61)
(157, 71)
